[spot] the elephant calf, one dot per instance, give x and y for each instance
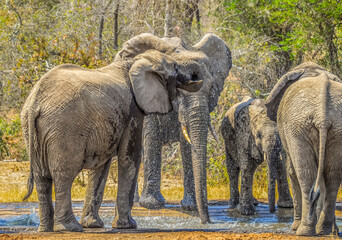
(77, 118)
(307, 105)
(250, 136)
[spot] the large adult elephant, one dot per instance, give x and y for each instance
(250, 137)
(307, 104)
(76, 118)
(192, 112)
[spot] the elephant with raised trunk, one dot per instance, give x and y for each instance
(307, 105)
(191, 112)
(250, 137)
(76, 118)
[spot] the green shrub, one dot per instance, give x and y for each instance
(12, 144)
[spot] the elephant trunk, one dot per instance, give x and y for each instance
(197, 122)
(272, 177)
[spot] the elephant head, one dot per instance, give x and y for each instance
(155, 79)
(210, 61)
(267, 145)
(214, 59)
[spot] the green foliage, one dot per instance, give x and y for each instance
(11, 142)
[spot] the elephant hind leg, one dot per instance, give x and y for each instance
(64, 217)
(44, 191)
(327, 222)
(297, 197)
(96, 183)
(303, 159)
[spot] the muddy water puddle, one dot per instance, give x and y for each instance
(18, 217)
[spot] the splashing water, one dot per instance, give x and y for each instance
(172, 217)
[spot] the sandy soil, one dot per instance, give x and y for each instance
(198, 235)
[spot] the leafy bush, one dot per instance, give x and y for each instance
(12, 144)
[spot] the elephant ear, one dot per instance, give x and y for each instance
(140, 44)
(220, 62)
(149, 88)
(273, 100)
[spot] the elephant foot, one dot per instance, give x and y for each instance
(295, 224)
(303, 230)
(92, 222)
(246, 209)
(255, 201)
(152, 201)
(285, 203)
(71, 225)
(189, 203)
(325, 227)
(129, 223)
(233, 202)
(327, 232)
(45, 228)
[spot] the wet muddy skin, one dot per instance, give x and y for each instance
(23, 217)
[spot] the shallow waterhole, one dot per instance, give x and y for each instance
(17, 217)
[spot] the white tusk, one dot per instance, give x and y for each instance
(185, 133)
(213, 132)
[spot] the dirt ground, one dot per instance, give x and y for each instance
(198, 235)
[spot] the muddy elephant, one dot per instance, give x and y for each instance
(250, 137)
(191, 112)
(77, 118)
(307, 105)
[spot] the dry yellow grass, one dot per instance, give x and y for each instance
(13, 178)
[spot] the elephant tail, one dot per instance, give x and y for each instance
(315, 191)
(323, 132)
(31, 120)
(30, 184)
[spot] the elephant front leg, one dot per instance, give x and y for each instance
(189, 199)
(285, 199)
(246, 206)
(96, 183)
(128, 168)
(233, 173)
(151, 196)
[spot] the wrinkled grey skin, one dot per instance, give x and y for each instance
(193, 112)
(209, 60)
(307, 104)
(250, 137)
(76, 118)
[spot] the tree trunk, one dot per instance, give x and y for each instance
(189, 13)
(168, 19)
(116, 24)
(101, 27)
(198, 18)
